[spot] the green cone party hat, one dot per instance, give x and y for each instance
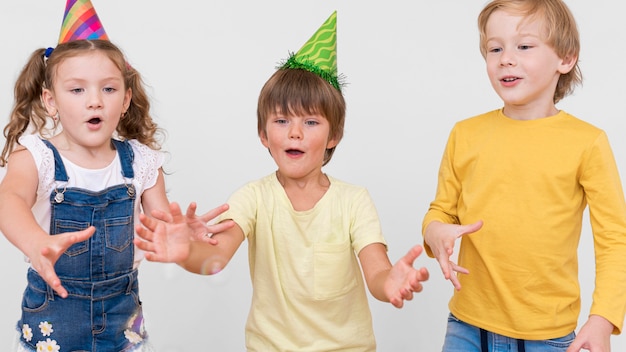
(319, 54)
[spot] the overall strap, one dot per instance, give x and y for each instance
(125, 151)
(59, 168)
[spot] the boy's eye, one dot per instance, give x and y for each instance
(281, 121)
(525, 47)
(495, 50)
(76, 90)
(311, 123)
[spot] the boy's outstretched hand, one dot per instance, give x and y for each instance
(441, 238)
(47, 252)
(404, 279)
(166, 237)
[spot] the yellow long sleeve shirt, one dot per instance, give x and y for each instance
(530, 181)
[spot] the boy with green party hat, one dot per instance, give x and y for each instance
(307, 232)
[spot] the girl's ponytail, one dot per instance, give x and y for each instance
(28, 110)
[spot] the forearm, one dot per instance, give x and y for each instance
(208, 259)
(377, 286)
(18, 224)
(204, 259)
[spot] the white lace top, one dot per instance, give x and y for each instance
(146, 164)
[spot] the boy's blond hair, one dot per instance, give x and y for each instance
(561, 33)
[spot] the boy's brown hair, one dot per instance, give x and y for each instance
(300, 92)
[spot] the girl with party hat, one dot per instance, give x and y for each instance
(307, 232)
(83, 160)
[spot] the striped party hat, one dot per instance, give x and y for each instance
(80, 21)
(319, 53)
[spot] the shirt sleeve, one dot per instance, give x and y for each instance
(146, 164)
(607, 211)
(242, 209)
(365, 228)
(444, 207)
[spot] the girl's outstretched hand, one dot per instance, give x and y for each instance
(404, 279)
(440, 238)
(47, 252)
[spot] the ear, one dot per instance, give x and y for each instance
(127, 98)
(264, 141)
(567, 64)
(331, 143)
(48, 101)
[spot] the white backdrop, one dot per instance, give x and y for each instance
(413, 69)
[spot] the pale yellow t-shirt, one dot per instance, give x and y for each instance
(308, 289)
(530, 181)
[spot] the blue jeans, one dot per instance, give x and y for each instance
(463, 337)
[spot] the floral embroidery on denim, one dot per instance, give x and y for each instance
(27, 332)
(48, 346)
(132, 336)
(46, 328)
(135, 329)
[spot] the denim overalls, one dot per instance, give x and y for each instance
(102, 311)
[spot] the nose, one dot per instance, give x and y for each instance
(507, 58)
(295, 131)
(94, 100)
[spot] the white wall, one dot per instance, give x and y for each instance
(413, 70)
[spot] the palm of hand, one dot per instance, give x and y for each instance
(171, 241)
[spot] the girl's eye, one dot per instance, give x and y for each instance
(109, 90)
(76, 90)
(495, 50)
(525, 47)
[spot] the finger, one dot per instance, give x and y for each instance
(575, 346)
(213, 213)
(210, 240)
(84, 234)
(423, 274)
(407, 295)
(161, 215)
(455, 282)
(145, 246)
(416, 287)
(412, 254)
(460, 269)
(471, 228)
(143, 233)
(175, 213)
(59, 289)
(191, 210)
(220, 227)
(397, 302)
(75, 237)
(148, 222)
(51, 278)
(444, 263)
